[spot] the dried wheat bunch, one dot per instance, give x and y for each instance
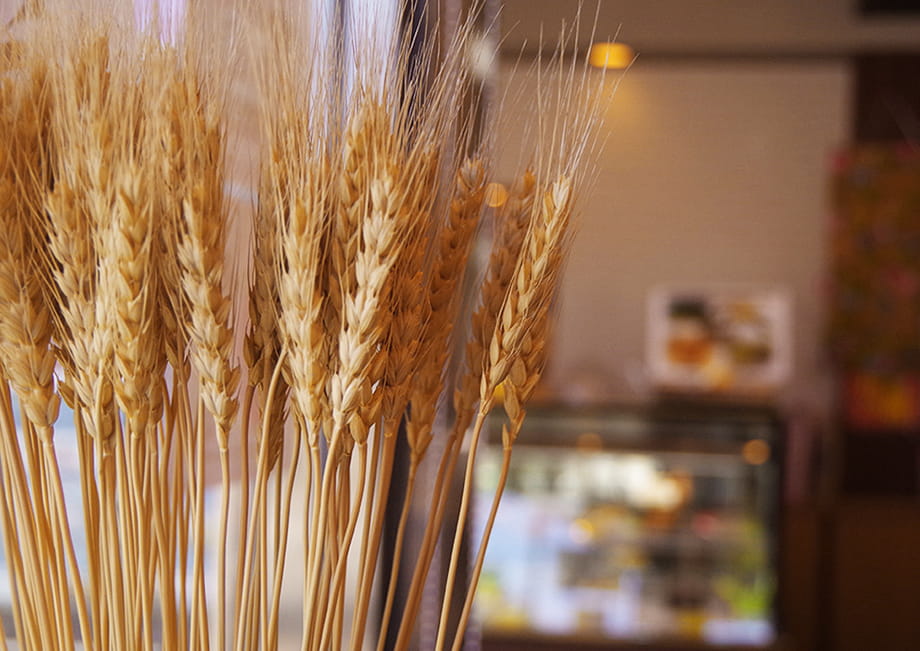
(118, 298)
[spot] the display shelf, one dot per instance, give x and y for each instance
(496, 641)
(635, 526)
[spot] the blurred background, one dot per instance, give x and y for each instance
(726, 450)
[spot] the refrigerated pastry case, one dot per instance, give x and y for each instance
(653, 528)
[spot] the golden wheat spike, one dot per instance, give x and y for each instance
(113, 265)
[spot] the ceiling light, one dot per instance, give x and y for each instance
(616, 56)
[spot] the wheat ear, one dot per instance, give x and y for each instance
(201, 257)
(284, 133)
(25, 317)
(512, 220)
(366, 318)
(261, 350)
(441, 303)
(519, 386)
(81, 93)
(443, 297)
(128, 250)
(348, 354)
(281, 181)
(523, 311)
(403, 345)
(303, 305)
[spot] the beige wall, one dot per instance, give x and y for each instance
(713, 172)
(717, 25)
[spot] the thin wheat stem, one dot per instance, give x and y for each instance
(458, 534)
(480, 556)
(337, 514)
(164, 551)
(277, 514)
(200, 603)
(90, 499)
(21, 600)
(374, 451)
(278, 574)
(329, 543)
(57, 546)
(3, 646)
(115, 588)
(370, 538)
(28, 513)
(268, 542)
(15, 500)
(181, 502)
(258, 497)
(323, 530)
(245, 416)
(51, 548)
(439, 500)
(269, 532)
(262, 577)
(222, 549)
(346, 527)
(397, 556)
(310, 539)
(141, 509)
(352, 521)
(122, 514)
(67, 541)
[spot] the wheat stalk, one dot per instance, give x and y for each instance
(511, 225)
(113, 270)
(26, 329)
(201, 258)
(520, 324)
(79, 94)
(453, 249)
(365, 318)
(403, 346)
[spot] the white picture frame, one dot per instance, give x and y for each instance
(721, 339)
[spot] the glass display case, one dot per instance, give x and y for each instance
(653, 526)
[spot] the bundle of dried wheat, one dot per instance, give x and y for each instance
(116, 299)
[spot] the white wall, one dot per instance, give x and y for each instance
(712, 173)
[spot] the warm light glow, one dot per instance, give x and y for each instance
(756, 452)
(611, 55)
(589, 441)
(496, 195)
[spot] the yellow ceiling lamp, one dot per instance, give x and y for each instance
(615, 56)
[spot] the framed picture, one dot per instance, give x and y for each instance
(731, 339)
